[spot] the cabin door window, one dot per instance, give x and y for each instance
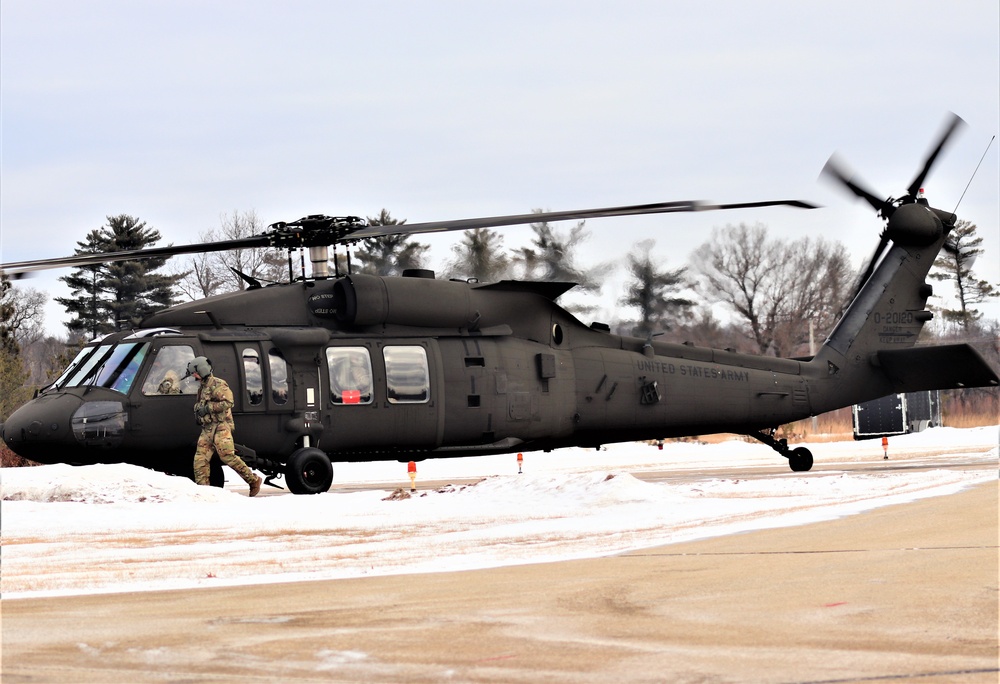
(253, 376)
(350, 375)
(278, 368)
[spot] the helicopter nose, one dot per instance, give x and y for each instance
(40, 430)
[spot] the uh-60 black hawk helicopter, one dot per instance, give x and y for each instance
(353, 367)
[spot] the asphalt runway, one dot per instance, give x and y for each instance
(941, 458)
(905, 593)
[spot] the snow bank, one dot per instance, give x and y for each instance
(112, 528)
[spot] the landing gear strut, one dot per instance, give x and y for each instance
(800, 459)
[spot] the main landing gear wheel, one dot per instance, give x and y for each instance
(308, 471)
(800, 460)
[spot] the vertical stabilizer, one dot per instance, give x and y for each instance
(888, 312)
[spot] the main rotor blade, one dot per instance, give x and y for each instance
(77, 260)
(574, 215)
(315, 231)
(946, 134)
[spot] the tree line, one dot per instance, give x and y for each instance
(776, 294)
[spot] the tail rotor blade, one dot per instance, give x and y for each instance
(834, 169)
(949, 130)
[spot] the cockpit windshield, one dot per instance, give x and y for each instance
(74, 366)
(108, 365)
(123, 364)
(77, 375)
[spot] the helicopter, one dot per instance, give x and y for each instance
(341, 367)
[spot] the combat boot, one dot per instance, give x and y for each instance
(255, 485)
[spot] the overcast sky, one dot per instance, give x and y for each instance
(178, 112)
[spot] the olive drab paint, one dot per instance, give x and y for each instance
(353, 367)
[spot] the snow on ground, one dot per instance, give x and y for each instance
(112, 528)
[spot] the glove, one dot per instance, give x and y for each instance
(202, 410)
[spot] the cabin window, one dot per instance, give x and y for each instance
(168, 372)
(406, 373)
(254, 377)
(350, 375)
(279, 377)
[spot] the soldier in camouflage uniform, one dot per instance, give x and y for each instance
(213, 411)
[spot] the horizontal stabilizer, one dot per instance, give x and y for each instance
(548, 289)
(949, 366)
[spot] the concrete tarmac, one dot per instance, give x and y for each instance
(906, 593)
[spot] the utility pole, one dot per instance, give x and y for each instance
(812, 352)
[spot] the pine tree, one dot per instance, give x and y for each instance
(116, 295)
(955, 264)
(551, 257)
(479, 255)
(653, 292)
(389, 255)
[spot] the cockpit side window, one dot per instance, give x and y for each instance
(168, 372)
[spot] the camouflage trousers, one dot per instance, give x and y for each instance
(218, 438)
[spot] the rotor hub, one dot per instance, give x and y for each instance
(316, 230)
(914, 225)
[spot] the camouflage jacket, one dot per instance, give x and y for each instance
(216, 395)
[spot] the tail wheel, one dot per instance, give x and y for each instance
(800, 460)
(308, 471)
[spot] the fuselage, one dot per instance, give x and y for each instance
(368, 368)
(511, 371)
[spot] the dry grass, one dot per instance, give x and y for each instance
(970, 420)
(8, 459)
(838, 426)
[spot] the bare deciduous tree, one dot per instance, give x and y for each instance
(212, 273)
(819, 278)
(20, 321)
(775, 288)
(23, 317)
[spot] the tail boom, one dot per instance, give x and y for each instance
(871, 352)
